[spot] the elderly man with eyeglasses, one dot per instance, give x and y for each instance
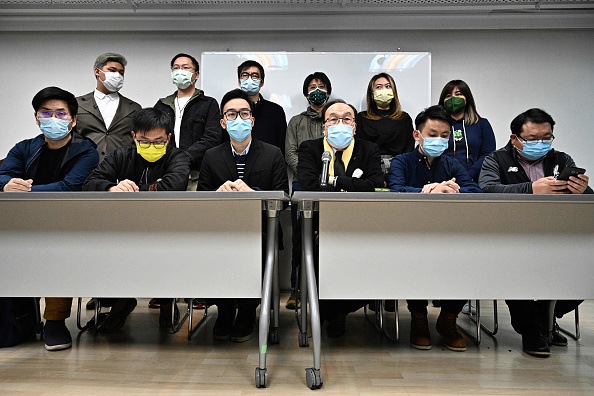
(56, 160)
(353, 165)
(195, 117)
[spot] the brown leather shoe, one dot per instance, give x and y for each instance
(419, 331)
(446, 326)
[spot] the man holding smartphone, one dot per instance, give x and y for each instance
(529, 165)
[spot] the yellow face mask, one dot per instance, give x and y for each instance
(151, 153)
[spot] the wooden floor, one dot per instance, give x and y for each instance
(141, 359)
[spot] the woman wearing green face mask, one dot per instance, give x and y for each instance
(384, 122)
(471, 137)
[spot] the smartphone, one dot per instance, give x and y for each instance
(570, 171)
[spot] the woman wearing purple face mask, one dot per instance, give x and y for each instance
(472, 136)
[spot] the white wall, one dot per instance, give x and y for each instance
(509, 71)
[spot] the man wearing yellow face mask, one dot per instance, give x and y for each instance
(152, 164)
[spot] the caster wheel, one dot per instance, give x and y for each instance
(313, 378)
(273, 338)
(303, 340)
(261, 378)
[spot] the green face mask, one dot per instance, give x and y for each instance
(454, 104)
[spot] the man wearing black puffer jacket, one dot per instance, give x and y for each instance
(152, 164)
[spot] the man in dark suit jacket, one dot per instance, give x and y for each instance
(355, 165)
(105, 116)
(243, 164)
(361, 162)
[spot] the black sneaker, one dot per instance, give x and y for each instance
(535, 343)
(557, 338)
(91, 304)
(292, 300)
(165, 314)
(243, 329)
(117, 315)
(224, 324)
(56, 335)
(337, 325)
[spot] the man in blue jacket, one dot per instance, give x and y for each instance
(426, 170)
(56, 160)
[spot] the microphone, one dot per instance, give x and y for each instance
(326, 157)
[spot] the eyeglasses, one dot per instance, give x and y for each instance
(253, 76)
(529, 142)
(230, 115)
(61, 114)
(182, 67)
(157, 145)
(333, 120)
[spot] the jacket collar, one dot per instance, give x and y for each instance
(170, 100)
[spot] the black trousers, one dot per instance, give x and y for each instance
(450, 306)
(526, 314)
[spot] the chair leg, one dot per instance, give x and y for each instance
(476, 318)
(575, 336)
(396, 336)
(38, 322)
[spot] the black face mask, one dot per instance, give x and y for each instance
(317, 97)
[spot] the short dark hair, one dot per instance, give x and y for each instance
(150, 118)
(435, 112)
(182, 55)
(235, 94)
(333, 102)
(317, 76)
(246, 65)
(536, 116)
(50, 93)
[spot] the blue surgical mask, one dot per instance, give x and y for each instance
(535, 150)
(340, 135)
(54, 128)
(249, 86)
(239, 129)
(434, 146)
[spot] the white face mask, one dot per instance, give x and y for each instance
(114, 81)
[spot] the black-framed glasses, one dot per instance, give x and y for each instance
(61, 114)
(182, 67)
(529, 142)
(230, 115)
(333, 120)
(157, 145)
(254, 76)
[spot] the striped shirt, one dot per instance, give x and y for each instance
(240, 159)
